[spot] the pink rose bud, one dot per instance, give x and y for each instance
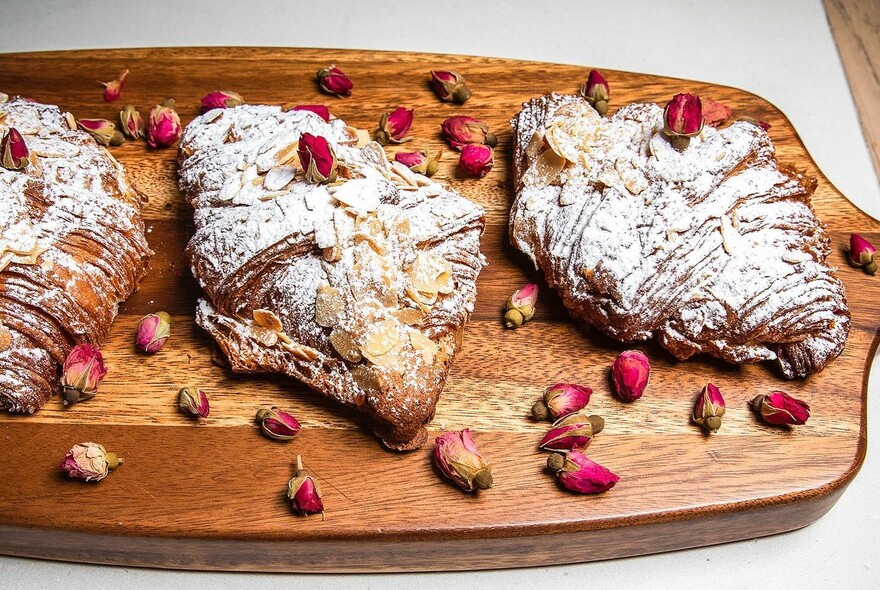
(572, 433)
(683, 119)
(221, 99)
(709, 408)
(779, 408)
(450, 86)
(393, 126)
(152, 332)
(131, 122)
(579, 474)
(193, 400)
(163, 126)
(461, 130)
(113, 89)
(303, 492)
(457, 458)
(14, 153)
(423, 162)
(595, 91)
(89, 461)
(317, 158)
(277, 424)
(101, 129)
(476, 159)
(83, 371)
(561, 400)
(861, 253)
(520, 307)
(630, 373)
(319, 109)
(333, 81)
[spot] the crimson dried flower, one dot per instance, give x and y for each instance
(163, 126)
(630, 373)
(394, 126)
(277, 424)
(778, 408)
(113, 89)
(193, 400)
(89, 461)
(862, 253)
(152, 332)
(82, 373)
(715, 113)
(319, 109)
(709, 408)
(332, 81)
(423, 162)
(476, 159)
(572, 432)
(101, 129)
(318, 159)
(450, 86)
(577, 473)
(560, 400)
(14, 153)
(221, 99)
(303, 492)
(595, 91)
(457, 458)
(520, 307)
(683, 119)
(462, 130)
(131, 122)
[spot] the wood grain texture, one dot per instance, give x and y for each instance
(212, 496)
(856, 29)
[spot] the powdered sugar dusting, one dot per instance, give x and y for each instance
(712, 249)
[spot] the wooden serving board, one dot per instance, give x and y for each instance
(213, 496)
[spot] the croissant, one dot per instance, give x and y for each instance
(72, 247)
(714, 249)
(359, 288)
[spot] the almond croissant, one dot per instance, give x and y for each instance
(72, 247)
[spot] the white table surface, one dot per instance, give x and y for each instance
(782, 51)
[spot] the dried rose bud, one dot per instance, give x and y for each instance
(579, 474)
(457, 458)
(461, 130)
(193, 400)
(709, 408)
(393, 126)
(520, 307)
(630, 373)
(779, 408)
(561, 399)
(89, 461)
(101, 129)
(683, 119)
(14, 153)
(131, 122)
(304, 492)
(450, 86)
(862, 253)
(277, 424)
(423, 162)
(476, 159)
(595, 91)
(317, 158)
(163, 126)
(152, 332)
(221, 99)
(333, 81)
(319, 109)
(113, 89)
(572, 433)
(83, 371)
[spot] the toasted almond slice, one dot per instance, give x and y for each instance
(279, 177)
(345, 345)
(365, 378)
(328, 306)
(301, 351)
(423, 344)
(264, 336)
(267, 319)
(416, 297)
(381, 339)
(409, 316)
(361, 194)
(5, 337)
(288, 154)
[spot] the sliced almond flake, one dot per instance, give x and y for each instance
(416, 298)
(409, 316)
(5, 337)
(301, 351)
(363, 137)
(264, 336)
(423, 344)
(267, 319)
(279, 177)
(366, 379)
(230, 188)
(345, 345)
(288, 154)
(380, 339)
(361, 194)
(329, 306)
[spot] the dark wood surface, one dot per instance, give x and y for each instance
(212, 496)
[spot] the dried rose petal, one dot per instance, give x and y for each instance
(332, 81)
(113, 89)
(577, 473)
(457, 458)
(221, 99)
(83, 371)
(715, 113)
